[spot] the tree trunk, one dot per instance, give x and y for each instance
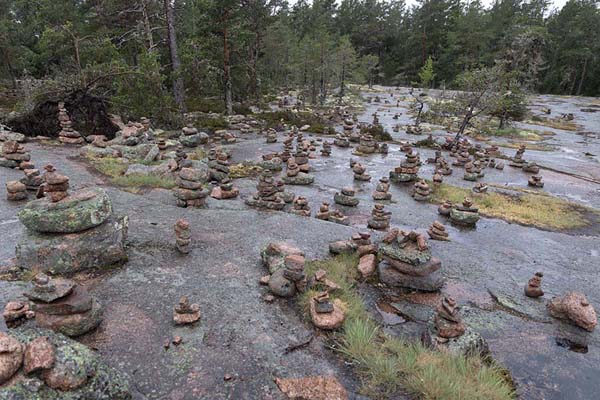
(226, 65)
(583, 72)
(343, 81)
(9, 67)
(322, 77)
(147, 26)
(178, 87)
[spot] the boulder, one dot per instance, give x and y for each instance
(64, 254)
(280, 285)
(81, 210)
(394, 278)
(574, 308)
(367, 265)
(273, 255)
(328, 321)
(11, 357)
(39, 355)
(72, 324)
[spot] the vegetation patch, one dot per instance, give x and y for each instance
(556, 123)
(316, 123)
(141, 181)
(524, 207)
(378, 133)
(109, 166)
(514, 133)
(244, 170)
(386, 364)
(517, 144)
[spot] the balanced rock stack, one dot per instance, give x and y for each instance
(380, 219)
(575, 309)
(67, 134)
(191, 138)
(225, 190)
(346, 197)
(301, 207)
(55, 186)
(348, 126)
(287, 149)
(294, 176)
(462, 158)
(13, 154)
(534, 286)
(327, 314)
(32, 179)
(367, 144)
(16, 191)
(445, 208)
(360, 173)
(323, 212)
(382, 190)
(479, 188)
(338, 217)
(267, 196)
(185, 313)
(301, 158)
(38, 363)
(447, 332)
(218, 168)
(536, 181)
(437, 231)
(63, 306)
(76, 233)
(271, 136)
(421, 191)
(183, 236)
(189, 191)
(408, 169)
(341, 141)
(407, 262)
(517, 161)
(442, 167)
(326, 150)
(471, 173)
(286, 268)
(437, 179)
(465, 214)
(531, 167)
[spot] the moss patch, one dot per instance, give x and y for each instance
(244, 170)
(317, 124)
(109, 166)
(140, 181)
(522, 207)
(556, 123)
(386, 364)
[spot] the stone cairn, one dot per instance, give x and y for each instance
(55, 186)
(70, 232)
(183, 236)
(294, 176)
(447, 321)
(346, 197)
(445, 208)
(421, 191)
(225, 190)
(191, 138)
(367, 144)
(267, 196)
(517, 161)
(286, 268)
(301, 207)
(380, 219)
(536, 181)
(341, 141)
(479, 188)
(16, 191)
(359, 242)
(326, 314)
(408, 169)
(181, 159)
(407, 262)
(437, 179)
(13, 154)
(189, 191)
(67, 134)
(185, 313)
(471, 172)
(462, 159)
(323, 212)
(575, 309)
(301, 158)
(360, 173)
(16, 312)
(531, 167)
(534, 286)
(348, 127)
(271, 136)
(32, 179)
(162, 144)
(218, 167)
(338, 217)
(465, 214)
(287, 148)
(63, 306)
(382, 190)
(442, 167)
(326, 150)
(437, 231)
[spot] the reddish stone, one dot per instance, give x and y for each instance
(39, 355)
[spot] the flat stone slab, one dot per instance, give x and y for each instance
(394, 278)
(81, 210)
(99, 247)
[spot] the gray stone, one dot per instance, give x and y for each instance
(65, 254)
(280, 285)
(394, 278)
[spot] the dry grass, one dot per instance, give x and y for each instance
(524, 207)
(530, 146)
(556, 123)
(115, 168)
(244, 170)
(387, 365)
(109, 166)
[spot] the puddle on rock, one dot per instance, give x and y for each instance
(389, 314)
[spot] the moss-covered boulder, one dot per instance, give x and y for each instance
(77, 373)
(82, 210)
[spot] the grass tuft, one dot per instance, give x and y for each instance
(387, 365)
(109, 166)
(139, 181)
(524, 207)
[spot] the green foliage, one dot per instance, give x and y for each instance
(299, 119)
(426, 74)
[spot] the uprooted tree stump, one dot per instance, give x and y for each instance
(88, 112)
